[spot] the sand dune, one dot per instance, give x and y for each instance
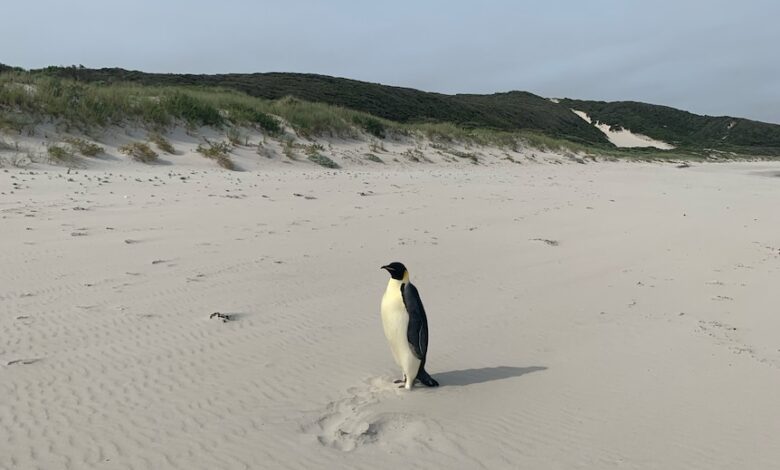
(581, 316)
(623, 137)
(257, 151)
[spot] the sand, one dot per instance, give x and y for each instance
(607, 315)
(624, 138)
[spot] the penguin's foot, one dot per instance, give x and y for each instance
(403, 383)
(400, 381)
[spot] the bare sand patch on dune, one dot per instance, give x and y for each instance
(624, 137)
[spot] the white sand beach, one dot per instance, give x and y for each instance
(607, 315)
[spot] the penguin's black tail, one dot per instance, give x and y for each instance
(426, 379)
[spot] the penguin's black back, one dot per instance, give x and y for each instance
(417, 330)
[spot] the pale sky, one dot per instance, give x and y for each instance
(711, 57)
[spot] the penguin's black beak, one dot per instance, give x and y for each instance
(385, 267)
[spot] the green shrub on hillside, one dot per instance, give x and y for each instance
(88, 149)
(161, 142)
(371, 125)
(192, 110)
(139, 151)
(313, 149)
(60, 154)
(217, 151)
(314, 119)
(214, 149)
(322, 160)
(245, 113)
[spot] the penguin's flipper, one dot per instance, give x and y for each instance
(417, 330)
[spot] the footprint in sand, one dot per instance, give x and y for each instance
(358, 420)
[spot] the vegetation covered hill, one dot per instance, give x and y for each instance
(316, 104)
(502, 111)
(684, 129)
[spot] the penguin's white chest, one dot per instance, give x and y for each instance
(395, 321)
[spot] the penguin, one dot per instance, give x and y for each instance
(406, 326)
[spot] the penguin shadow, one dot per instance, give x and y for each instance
(230, 316)
(237, 316)
(459, 378)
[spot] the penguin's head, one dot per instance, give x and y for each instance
(397, 270)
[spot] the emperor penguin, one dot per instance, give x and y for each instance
(406, 326)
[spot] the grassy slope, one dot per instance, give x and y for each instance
(685, 129)
(27, 99)
(324, 106)
(504, 111)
